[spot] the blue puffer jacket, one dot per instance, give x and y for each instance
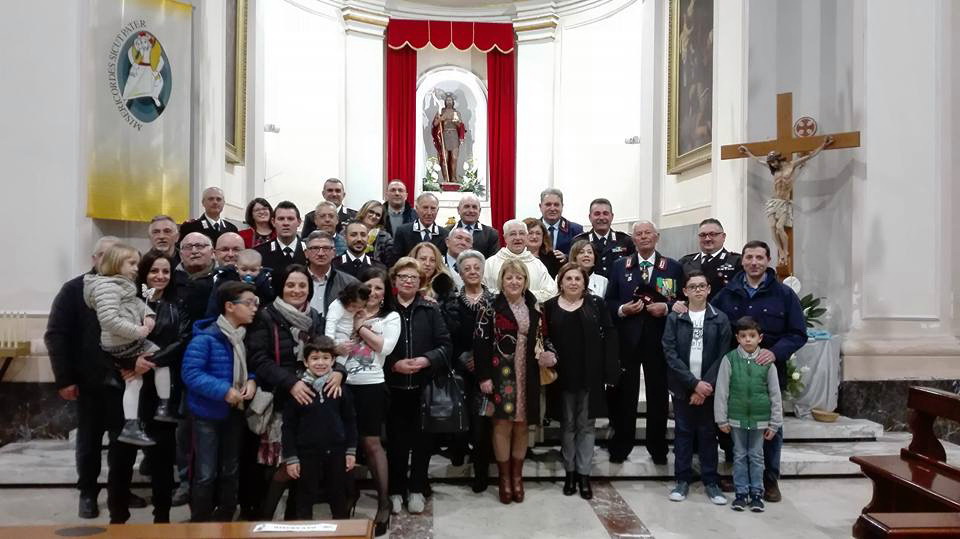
(208, 370)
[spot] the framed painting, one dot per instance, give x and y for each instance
(235, 96)
(690, 84)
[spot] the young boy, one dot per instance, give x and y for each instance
(217, 382)
(694, 343)
(321, 437)
(748, 404)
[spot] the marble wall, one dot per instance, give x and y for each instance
(886, 403)
(34, 411)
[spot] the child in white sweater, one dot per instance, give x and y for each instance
(341, 324)
(125, 321)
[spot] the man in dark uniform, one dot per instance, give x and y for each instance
(334, 193)
(486, 239)
(717, 263)
(287, 248)
(396, 210)
(561, 231)
(424, 228)
(210, 224)
(355, 260)
(609, 245)
(642, 289)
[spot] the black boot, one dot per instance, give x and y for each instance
(88, 507)
(586, 492)
(163, 412)
(570, 484)
(133, 434)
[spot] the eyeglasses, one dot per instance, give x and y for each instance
(193, 246)
(700, 286)
(316, 248)
(253, 303)
(407, 277)
(704, 235)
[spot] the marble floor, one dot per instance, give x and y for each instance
(812, 508)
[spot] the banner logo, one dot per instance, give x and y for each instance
(139, 75)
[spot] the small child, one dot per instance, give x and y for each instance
(343, 319)
(694, 343)
(125, 321)
(320, 439)
(249, 269)
(748, 404)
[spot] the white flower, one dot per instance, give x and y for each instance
(796, 376)
(436, 167)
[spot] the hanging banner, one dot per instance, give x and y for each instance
(138, 120)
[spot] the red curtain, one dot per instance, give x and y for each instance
(401, 120)
(502, 135)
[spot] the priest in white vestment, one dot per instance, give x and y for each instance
(542, 285)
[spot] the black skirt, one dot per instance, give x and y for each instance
(371, 402)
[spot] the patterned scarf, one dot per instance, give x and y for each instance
(316, 382)
(235, 336)
(300, 321)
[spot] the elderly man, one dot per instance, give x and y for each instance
(334, 193)
(424, 228)
(458, 241)
(560, 230)
(608, 245)
(398, 211)
(641, 291)
(485, 238)
(164, 232)
(287, 248)
(515, 235)
(227, 249)
(355, 259)
(717, 263)
(327, 280)
(211, 223)
(756, 292)
(326, 218)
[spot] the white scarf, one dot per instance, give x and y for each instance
(300, 322)
(235, 336)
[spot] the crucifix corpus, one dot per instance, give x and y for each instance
(777, 155)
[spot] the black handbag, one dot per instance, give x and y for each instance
(442, 406)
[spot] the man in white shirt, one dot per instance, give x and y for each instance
(287, 248)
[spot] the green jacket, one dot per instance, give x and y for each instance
(747, 394)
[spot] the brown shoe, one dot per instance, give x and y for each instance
(506, 492)
(516, 473)
(771, 492)
(726, 485)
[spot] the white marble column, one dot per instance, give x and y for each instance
(537, 52)
(365, 23)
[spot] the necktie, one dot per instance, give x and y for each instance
(216, 227)
(553, 235)
(603, 243)
(426, 235)
(358, 263)
(288, 252)
(645, 271)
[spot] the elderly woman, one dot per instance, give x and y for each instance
(538, 243)
(583, 254)
(422, 350)
(379, 241)
(325, 217)
(460, 313)
(539, 282)
(579, 330)
(259, 217)
(439, 283)
(507, 363)
(275, 354)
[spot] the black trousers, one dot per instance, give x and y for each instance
(329, 466)
(624, 397)
(162, 457)
(408, 447)
(481, 434)
(253, 476)
(99, 410)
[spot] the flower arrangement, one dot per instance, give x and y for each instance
(431, 180)
(812, 311)
(471, 181)
(795, 383)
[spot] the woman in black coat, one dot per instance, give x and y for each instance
(581, 333)
(171, 333)
(422, 350)
(508, 367)
(274, 354)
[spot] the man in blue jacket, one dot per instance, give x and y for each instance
(756, 292)
(217, 382)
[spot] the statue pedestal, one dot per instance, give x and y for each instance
(449, 186)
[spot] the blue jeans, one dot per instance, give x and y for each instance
(747, 461)
(694, 423)
(216, 450)
(771, 457)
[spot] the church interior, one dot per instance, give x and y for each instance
(828, 130)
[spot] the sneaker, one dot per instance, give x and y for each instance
(396, 502)
(715, 496)
(756, 504)
(739, 503)
(679, 492)
(133, 434)
(416, 503)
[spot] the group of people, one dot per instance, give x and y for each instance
(248, 363)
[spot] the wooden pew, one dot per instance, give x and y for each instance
(916, 493)
(348, 529)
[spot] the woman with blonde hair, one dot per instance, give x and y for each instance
(438, 281)
(379, 241)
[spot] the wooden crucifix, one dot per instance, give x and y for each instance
(777, 154)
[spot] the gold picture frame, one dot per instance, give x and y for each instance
(235, 95)
(689, 84)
